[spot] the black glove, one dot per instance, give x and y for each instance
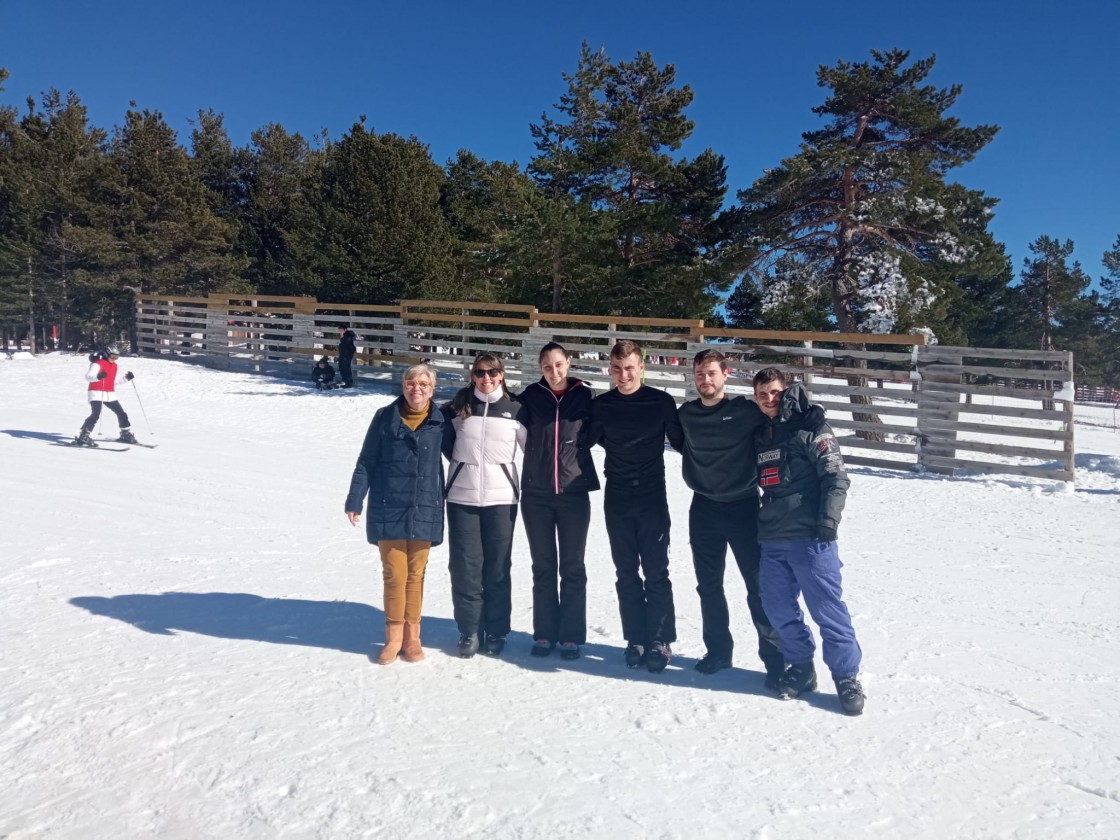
(101, 375)
(826, 531)
(128, 377)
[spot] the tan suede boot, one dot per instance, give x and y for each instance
(394, 637)
(413, 652)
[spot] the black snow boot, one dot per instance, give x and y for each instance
(635, 656)
(851, 694)
(468, 645)
(713, 661)
(774, 674)
(658, 657)
(127, 437)
(797, 680)
(495, 644)
(83, 439)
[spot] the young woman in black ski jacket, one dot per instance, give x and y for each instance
(557, 476)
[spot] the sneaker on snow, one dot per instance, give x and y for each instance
(495, 644)
(797, 680)
(541, 647)
(658, 657)
(569, 650)
(851, 695)
(713, 662)
(635, 656)
(468, 645)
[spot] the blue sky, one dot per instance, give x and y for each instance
(475, 75)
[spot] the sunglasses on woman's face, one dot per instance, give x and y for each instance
(492, 373)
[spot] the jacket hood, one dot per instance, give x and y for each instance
(796, 409)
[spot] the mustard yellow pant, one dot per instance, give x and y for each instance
(403, 563)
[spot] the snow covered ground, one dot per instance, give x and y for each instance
(184, 635)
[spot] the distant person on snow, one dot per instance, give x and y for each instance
(102, 376)
(322, 374)
(346, 351)
(804, 485)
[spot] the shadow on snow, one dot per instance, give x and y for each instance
(359, 629)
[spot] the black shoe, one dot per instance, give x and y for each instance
(797, 680)
(83, 439)
(851, 695)
(541, 647)
(658, 657)
(495, 644)
(774, 675)
(713, 662)
(569, 650)
(468, 645)
(635, 656)
(127, 437)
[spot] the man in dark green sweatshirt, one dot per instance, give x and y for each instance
(718, 462)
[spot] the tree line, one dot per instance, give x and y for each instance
(862, 230)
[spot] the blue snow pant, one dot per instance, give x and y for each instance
(812, 569)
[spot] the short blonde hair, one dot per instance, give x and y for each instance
(416, 371)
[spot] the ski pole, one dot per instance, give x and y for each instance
(142, 411)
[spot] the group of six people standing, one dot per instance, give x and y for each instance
(730, 448)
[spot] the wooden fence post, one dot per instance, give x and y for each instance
(937, 404)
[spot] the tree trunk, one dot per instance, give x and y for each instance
(845, 320)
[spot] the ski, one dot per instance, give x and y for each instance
(97, 448)
(137, 443)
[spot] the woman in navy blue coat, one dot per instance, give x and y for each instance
(401, 470)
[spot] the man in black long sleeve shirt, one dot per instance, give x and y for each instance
(718, 462)
(631, 423)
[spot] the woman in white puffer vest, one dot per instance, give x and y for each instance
(481, 441)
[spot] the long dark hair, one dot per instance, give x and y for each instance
(461, 402)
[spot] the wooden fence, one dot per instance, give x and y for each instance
(894, 401)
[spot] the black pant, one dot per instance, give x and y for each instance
(564, 518)
(480, 544)
(95, 412)
(712, 527)
(345, 372)
(638, 528)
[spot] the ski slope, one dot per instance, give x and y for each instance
(184, 635)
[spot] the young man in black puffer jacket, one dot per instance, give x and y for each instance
(801, 474)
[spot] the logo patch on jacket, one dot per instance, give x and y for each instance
(769, 477)
(767, 457)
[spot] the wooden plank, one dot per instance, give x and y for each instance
(931, 423)
(996, 448)
(1004, 469)
(469, 304)
(412, 318)
(848, 408)
(684, 324)
(1037, 395)
(864, 426)
(1010, 411)
(1005, 373)
(839, 338)
(854, 442)
(880, 463)
(933, 351)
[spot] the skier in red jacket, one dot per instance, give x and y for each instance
(102, 376)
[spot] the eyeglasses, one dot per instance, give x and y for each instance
(482, 373)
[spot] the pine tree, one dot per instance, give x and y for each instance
(1053, 294)
(1110, 304)
(276, 173)
(864, 206)
(649, 228)
(372, 230)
